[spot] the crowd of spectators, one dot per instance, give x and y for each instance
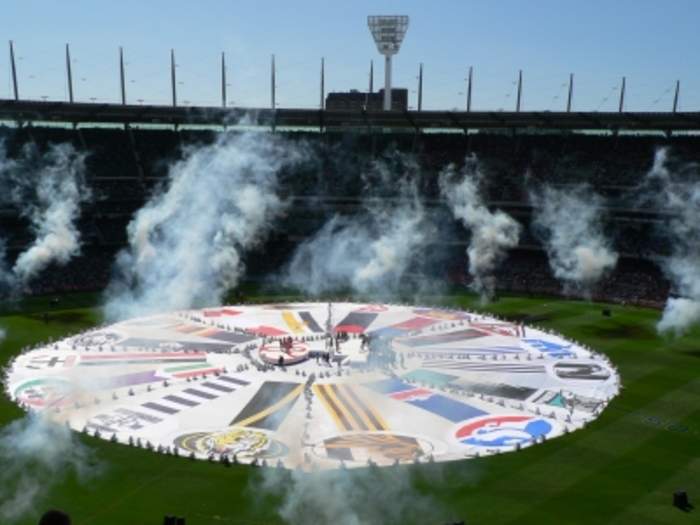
(124, 167)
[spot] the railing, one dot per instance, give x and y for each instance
(32, 111)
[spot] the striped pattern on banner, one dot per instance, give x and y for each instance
(438, 404)
(485, 366)
(269, 406)
(347, 408)
(356, 322)
(185, 371)
(140, 359)
(310, 322)
(520, 393)
(121, 419)
(211, 332)
(191, 397)
(223, 335)
(410, 325)
(160, 408)
(181, 400)
(296, 326)
(220, 388)
(199, 393)
(159, 344)
(303, 324)
(459, 352)
(427, 400)
(233, 380)
(437, 339)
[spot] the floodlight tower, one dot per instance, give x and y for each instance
(388, 33)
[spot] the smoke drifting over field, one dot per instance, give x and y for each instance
(371, 251)
(6, 277)
(36, 455)
(47, 189)
(568, 223)
(352, 497)
(186, 243)
(492, 233)
(677, 192)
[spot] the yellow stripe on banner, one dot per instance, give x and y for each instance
(320, 393)
(293, 323)
(346, 413)
(361, 410)
(376, 414)
(272, 408)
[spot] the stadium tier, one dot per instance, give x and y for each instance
(125, 167)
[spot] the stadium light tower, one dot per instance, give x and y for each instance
(388, 33)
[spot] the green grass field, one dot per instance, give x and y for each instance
(621, 469)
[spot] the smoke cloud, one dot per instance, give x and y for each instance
(492, 233)
(351, 497)
(36, 455)
(186, 243)
(677, 192)
(6, 277)
(48, 189)
(372, 250)
(568, 223)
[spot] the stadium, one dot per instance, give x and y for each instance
(372, 310)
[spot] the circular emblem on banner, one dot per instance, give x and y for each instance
(503, 430)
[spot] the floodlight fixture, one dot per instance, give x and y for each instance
(388, 33)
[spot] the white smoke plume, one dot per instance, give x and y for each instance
(364, 496)
(36, 455)
(492, 233)
(6, 277)
(48, 189)
(568, 221)
(677, 192)
(370, 251)
(186, 243)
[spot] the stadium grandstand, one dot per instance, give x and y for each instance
(126, 165)
(473, 303)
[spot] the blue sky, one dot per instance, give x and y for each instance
(653, 43)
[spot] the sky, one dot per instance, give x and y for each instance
(651, 42)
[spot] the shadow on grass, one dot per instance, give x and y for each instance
(66, 317)
(621, 331)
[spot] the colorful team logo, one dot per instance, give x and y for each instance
(383, 449)
(582, 371)
(242, 442)
(550, 347)
(53, 360)
(503, 430)
(97, 338)
(42, 393)
(284, 352)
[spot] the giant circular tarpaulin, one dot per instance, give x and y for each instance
(317, 385)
